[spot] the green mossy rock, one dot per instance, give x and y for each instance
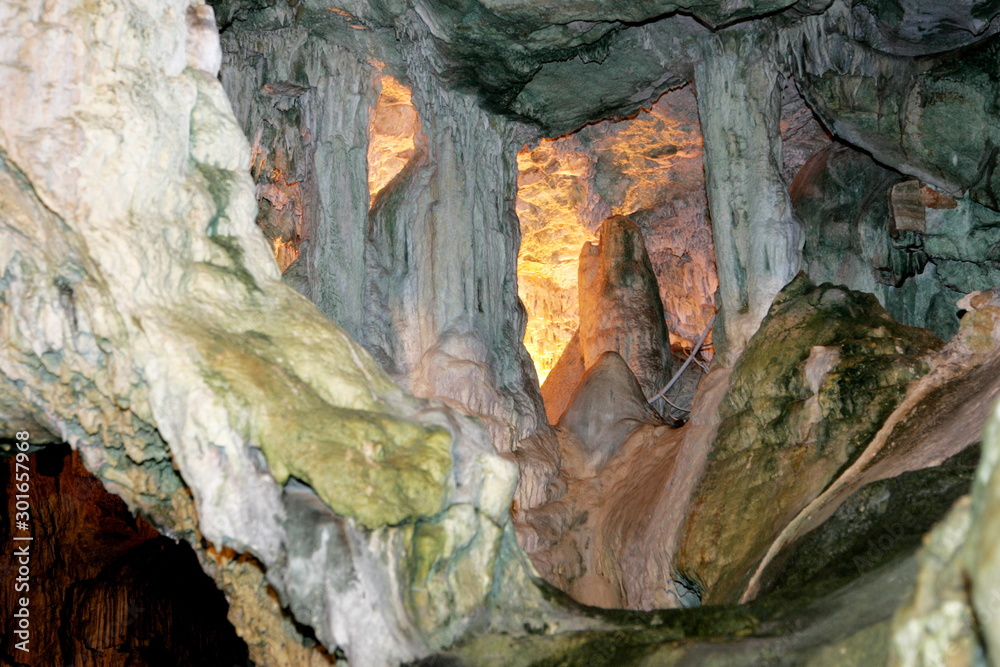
(368, 465)
(878, 523)
(813, 386)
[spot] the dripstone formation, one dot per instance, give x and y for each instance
(262, 271)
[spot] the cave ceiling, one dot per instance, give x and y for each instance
(383, 454)
(561, 64)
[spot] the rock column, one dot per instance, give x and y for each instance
(758, 242)
(442, 311)
(306, 104)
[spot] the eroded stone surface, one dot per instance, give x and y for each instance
(144, 322)
(609, 539)
(814, 385)
(421, 272)
(918, 258)
(902, 109)
(620, 307)
(758, 240)
(607, 405)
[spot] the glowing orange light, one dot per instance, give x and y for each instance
(391, 135)
(280, 200)
(648, 167)
(285, 252)
(553, 186)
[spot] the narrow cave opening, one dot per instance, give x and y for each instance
(108, 588)
(647, 168)
(392, 134)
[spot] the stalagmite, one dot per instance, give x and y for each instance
(620, 307)
(265, 287)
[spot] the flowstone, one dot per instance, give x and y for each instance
(813, 386)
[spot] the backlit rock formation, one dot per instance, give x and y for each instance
(264, 284)
(648, 168)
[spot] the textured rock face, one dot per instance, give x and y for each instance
(918, 251)
(307, 116)
(421, 275)
(937, 626)
(758, 240)
(625, 71)
(651, 169)
(605, 60)
(879, 523)
(901, 109)
(620, 311)
(609, 539)
(941, 415)
(562, 381)
(393, 133)
(841, 196)
(441, 270)
(620, 306)
(556, 199)
(951, 617)
(981, 549)
(813, 386)
(607, 405)
(921, 28)
(186, 373)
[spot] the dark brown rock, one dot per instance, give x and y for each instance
(105, 589)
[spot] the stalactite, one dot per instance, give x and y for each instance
(758, 241)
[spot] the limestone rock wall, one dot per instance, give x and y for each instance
(144, 323)
(918, 258)
(421, 276)
(305, 103)
(143, 319)
(758, 239)
(610, 538)
(951, 616)
(899, 107)
(556, 199)
(441, 293)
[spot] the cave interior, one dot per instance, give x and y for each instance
(500, 333)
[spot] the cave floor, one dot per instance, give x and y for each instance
(850, 626)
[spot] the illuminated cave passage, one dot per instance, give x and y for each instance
(394, 127)
(648, 168)
(259, 270)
